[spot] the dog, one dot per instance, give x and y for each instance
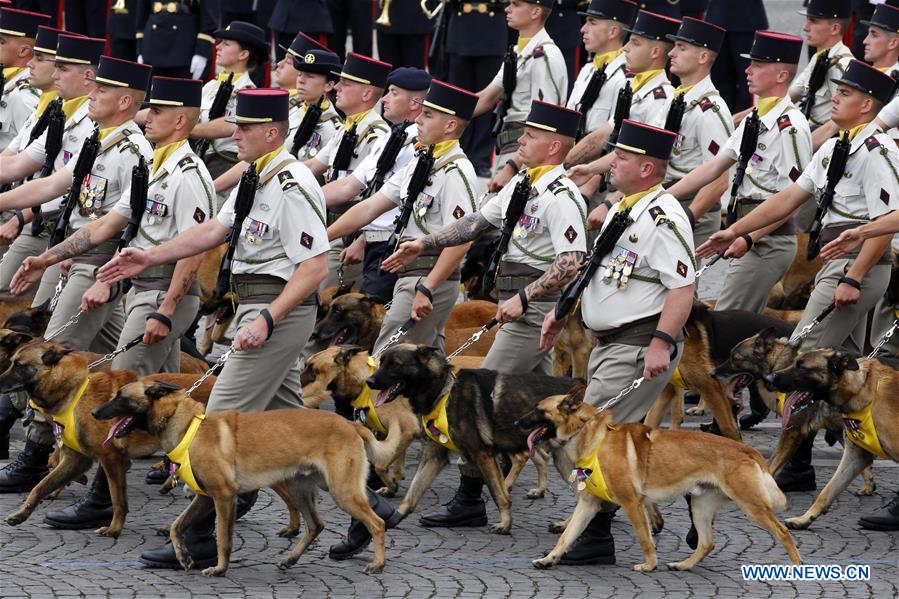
(232, 453)
(572, 348)
(478, 408)
(863, 391)
(641, 466)
(795, 287)
(32, 321)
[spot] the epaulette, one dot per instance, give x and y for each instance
(783, 122)
(557, 186)
(871, 143)
(286, 180)
(538, 52)
(187, 163)
(705, 104)
(658, 215)
(659, 93)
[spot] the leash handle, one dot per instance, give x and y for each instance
(632, 387)
(886, 337)
(400, 332)
(808, 328)
(116, 352)
(222, 359)
(708, 264)
(473, 339)
(67, 324)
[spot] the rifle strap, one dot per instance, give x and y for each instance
(279, 168)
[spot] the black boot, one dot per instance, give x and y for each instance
(358, 537)
(91, 511)
(758, 411)
(245, 501)
(595, 545)
(691, 397)
(27, 470)
(467, 507)
(798, 474)
(157, 476)
(8, 416)
(886, 518)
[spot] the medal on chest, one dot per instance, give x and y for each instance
(156, 210)
(526, 224)
(93, 193)
(256, 231)
(621, 265)
(423, 203)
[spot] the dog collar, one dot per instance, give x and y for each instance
(859, 427)
(180, 456)
(677, 380)
(63, 422)
(364, 408)
(588, 475)
(435, 424)
(781, 399)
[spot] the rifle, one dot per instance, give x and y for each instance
(605, 243)
(588, 99)
(89, 150)
(520, 196)
(216, 111)
(417, 183)
(39, 127)
(54, 124)
(622, 111)
(140, 180)
(2, 80)
(815, 81)
(835, 171)
(747, 150)
(388, 156)
(243, 203)
(307, 126)
(510, 80)
(437, 51)
(676, 113)
(344, 153)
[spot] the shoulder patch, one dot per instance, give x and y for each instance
(186, 163)
(871, 143)
(655, 212)
(681, 269)
(199, 215)
(706, 104)
(556, 186)
(458, 212)
(783, 122)
(286, 180)
(538, 52)
(659, 93)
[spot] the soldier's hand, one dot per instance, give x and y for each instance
(845, 243)
(657, 360)
(499, 180)
(9, 231)
(718, 242)
(737, 249)
(403, 256)
(65, 266)
(550, 330)
(354, 253)
(421, 306)
(509, 310)
(155, 330)
(128, 263)
(251, 336)
(845, 295)
(198, 66)
(597, 217)
(97, 295)
(29, 273)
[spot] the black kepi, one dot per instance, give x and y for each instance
(556, 119)
(366, 70)
(771, 46)
(173, 91)
(654, 26)
(870, 80)
(263, 105)
(450, 99)
(116, 72)
(645, 140)
(699, 33)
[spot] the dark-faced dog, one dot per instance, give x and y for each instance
(351, 319)
(32, 321)
(477, 419)
(864, 393)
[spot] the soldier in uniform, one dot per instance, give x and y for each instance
(782, 151)
(867, 190)
(315, 78)
(405, 41)
(637, 302)
(122, 28)
(18, 99)
(280, 259)
(290, 17)
(362, 82)
(176, 37)
(427, 288)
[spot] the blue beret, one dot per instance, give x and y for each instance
(409, 78)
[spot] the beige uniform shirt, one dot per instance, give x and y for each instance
(366, 170)
(554, 220)
(783, 150)
(542, 75)
(225, 144)
(704, 130)
(18, 104)
(286, 223)
(648, 101)
(870, 185)
(449, 195)
(604, 107)
(327, 127)
(839, 56)
(369, 131)
(180, 196)
(658, 251)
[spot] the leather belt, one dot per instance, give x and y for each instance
(746, 205)
(163, 271)
(638, 332)
(831, 232)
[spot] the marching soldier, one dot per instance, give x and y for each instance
(315, 81)
(177, 37)
(782, 150)
(403, 42)
(428, 287)
(18, 99)
(362, 82)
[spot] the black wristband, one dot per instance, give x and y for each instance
(668, 339)
(690, 217)
(511, 163)
(523, 296)
(21, 219)
(851, 282)
(161, 318)
(267, 316)
(419, 287)
(607, 204)
(748, 239)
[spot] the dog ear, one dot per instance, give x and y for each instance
(841, 361)
(13, 341)
(346, 354)
(574, 398)
(52, 355)
(160, 389)
(425, 353)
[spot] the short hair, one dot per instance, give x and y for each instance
(283, 128)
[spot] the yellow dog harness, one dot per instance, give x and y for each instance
(859, 427)
(588, 474)
(363, 406)
(64, 422)
(180, 456)
(435, 423)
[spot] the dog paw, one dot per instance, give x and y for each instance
(536, 493)
(680, 566)
(215, 571)
(695, 411)
(799, 523)
(386, 492)
(644, 567)
(108, 531)
(288, 532)
(543, 564)
(374, 568)
(866, 490)
(500, 529)
(16, 518)
(558, 527)
(286, 563)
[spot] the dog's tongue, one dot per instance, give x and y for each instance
(534, 437)
(789, 402)
(732, 386)
(384, 395)
(337, 338)
(116, 428)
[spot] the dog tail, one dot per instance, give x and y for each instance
(380, 453)
(776, 498)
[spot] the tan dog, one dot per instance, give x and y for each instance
(572, 348)
(232, 453)
(642, 466)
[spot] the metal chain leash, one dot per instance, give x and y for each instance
(632, 387)
(708, 264)
(886, 337)
(473, 339)
(340, 279)
(65, 326)
(60, 284)
(808, 328)
(400, 332)
(222, 359)
(114, 353)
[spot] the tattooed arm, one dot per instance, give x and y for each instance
(467, 228)
(563, 270)
(590, 147)
(85, 238)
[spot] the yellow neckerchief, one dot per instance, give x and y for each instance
(66, 419)
(162, 153)
(641, 79)
(10, 72)
(522, 42)
(535, 172)
(765, 105)
(854, 131)
(365, 407)
(588, 472)
(264, 160)
(601, 60)
(885, 69)
(180, 456)
(677, 380)
(632, 199)
(69, 107)
(781, 399)
(292, 93)
(822, 51)
(44, 101)
(104, 133)
(354, 119)
(325, 105)
(684, 89)
(223, 76)
(442, 148)
(435, 424)
(859, 427)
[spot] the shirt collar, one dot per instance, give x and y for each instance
(543, 176)
(445, 147)
(601, 60)
(859, 134)
(223, 76)
(10, 72)
(642, 79)
(163, 153)
(266, 160)
(355, 119)
(699, 89)
(635, 198)
(70, 107)
(44, 101)
(539, 38)
(769, 119)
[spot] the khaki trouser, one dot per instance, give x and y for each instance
(749, 280)
(352, 273)
(516, 348)
(845, 326)
(149, 359)
(23, 247)
(884, 316)
(267, 378)
(708, 225)
(429, 330)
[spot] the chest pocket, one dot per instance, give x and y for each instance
(156, 211)
(257, 231)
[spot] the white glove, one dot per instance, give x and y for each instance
(198, 66)
(140, 58)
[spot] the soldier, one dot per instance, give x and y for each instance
(176, 37)
(636, 303)
(18, 99)
(867, 189)
(404, 41)
(357, 16)
(279, 262)
(289, 17)
(882, 42)
(428, 287)
(741, 20)
(782, 150)
(540, 74)
(122, 28)
(362, 82)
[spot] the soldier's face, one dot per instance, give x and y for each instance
(818, 31)
(7, 49)
(597, 32)
(628, 170)
(311, 86)
(878, 43)
(350, 95)
(638, 54)
(432, 126)
(684, 58)
(762, 76)
(228, 53)
(534, 146)
(285, 74)
(848, 105)
(103, 103)
(160, 123)
(251, 140)
(398, 103)
(40, 71)
(68, 80)
(518, 13)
